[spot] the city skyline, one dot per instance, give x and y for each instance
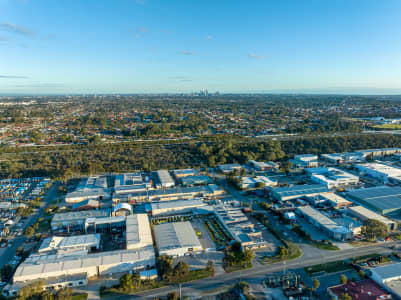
(179, 47)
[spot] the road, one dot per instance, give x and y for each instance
(257, 273)
(50, 195)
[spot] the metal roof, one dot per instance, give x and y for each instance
(175, 235)
(380, 197)
(388, 272)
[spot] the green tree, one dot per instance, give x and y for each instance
(6, 272)
(345, 296)
(343, 279)
(172, 296)
(180, 271)
(29, 232)
(165, 264)
(374, 229)
(316, 284)
(126, 282)
(362, 274)
(210, 267)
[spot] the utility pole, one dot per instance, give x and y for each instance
(180, 290)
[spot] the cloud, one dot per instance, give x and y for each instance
(209, 37)
(254, 56)
(13, 28)
(137, 35)
(187, 52)
(12, 77)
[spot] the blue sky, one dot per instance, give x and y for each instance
(135, 46)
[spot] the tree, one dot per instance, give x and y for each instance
(210, 267)
(316, 284)
(180, 271)
(282, 251)
(30, 290)
(345, 296)
(165, 264)
(126, 282)
(64, 294)
(343, 279)
(29, 232)
(362, 274)
(172, 296)
(6, 272)
(374, 229)
(248, 255)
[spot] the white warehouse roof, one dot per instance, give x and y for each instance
(176, 235)
(138, 231)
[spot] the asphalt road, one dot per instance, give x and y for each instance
(50, 195)
(257, 273)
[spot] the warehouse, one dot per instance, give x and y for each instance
(94, 187)
(76, 243)
(196, 180)
(177, 206)
(323, 222)
(381, 172)
(130, 182)
(382, 199)
(138, 234)
(305, 161)
(77, 219)
(339, 158)
(104, 263)
(164, 180)
(332, 177)
(228, 168)
(252, 182)
(389, 277)
(176, 193)
(176, 239)
(263, 166)
(329, 198)
(181, 173)
(298, 191)
(364, 214)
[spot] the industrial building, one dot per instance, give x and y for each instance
(89, 204)
(363, 290)
(324, 223)
(181, 173)
(239, 226)
(263, 166)
(332, 177)
(59, 267)
(76, 243)
(176, 193)
(252, 182)
(228, 168)
(358, 156)
(177, 206)
(305, 161)
(78, 219)
(382, 199)
(298, 191)
(176, 239)
(94, 187)
(164, 179)
(138, 233)
(383, 173)
(329, 198)
(131, 182)
(196, 180)
(389, 277)
(364, 214)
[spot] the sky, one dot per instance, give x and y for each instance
(170, 46)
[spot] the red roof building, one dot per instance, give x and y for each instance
(361, 290)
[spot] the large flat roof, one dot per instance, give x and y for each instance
(80, 215)
(380, 197)
(178, 204)
(75, 241)
(388, 272)
(300, 190)
(175, 235)
(138, 232)
(369, 214)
